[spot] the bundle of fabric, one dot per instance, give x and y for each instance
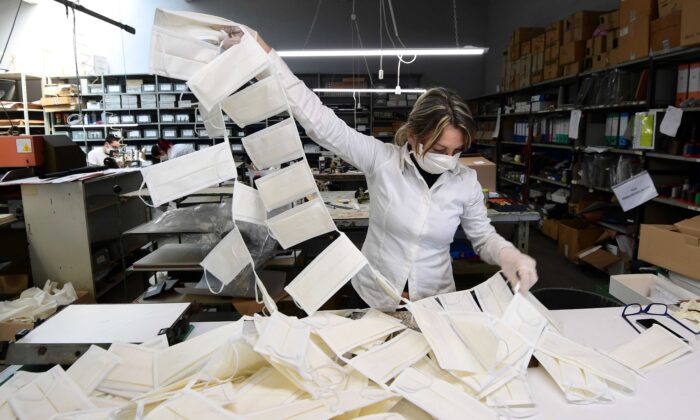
(34, 303)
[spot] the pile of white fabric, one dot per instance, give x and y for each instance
(34, 303)
(468, 359)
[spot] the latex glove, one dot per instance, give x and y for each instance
(518, 268)
(232, 35)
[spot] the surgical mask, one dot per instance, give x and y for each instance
(228, 72)
(286, 185)
(184, 359)
(179, 56)
(51, 392)
(266, 388)
(257, 102)
(92, 368)
(652, 348)
(213, 121)
(135, 372)
(190, 173)
(233, 359)
(493, 295)
(556, 345)
(228, 258)
(307, 409)
(387, 360)
(408, 410)
(247, 206)
(438, 398)
(326, 274)
(284, 339)
(578, 385)
(477, 332)
(189, 405)
(461, 301)
(435, 163)
(450, 352)
(274, 145)
(301, 223)
(524, 318)
(344, 337)
(514, 399)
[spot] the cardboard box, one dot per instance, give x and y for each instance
(667, 7)
(631, 10)
(9, 329)
(537, 44)
(554, 33)
(485, 170)
(600, 61)
(609, 21)
(521, 35)
(580, 26)
(635, 288)
(537, 63)
(682, 83)
(513, 52)
(689, 226)
(694, 81)
(576, 235)
(552, 71)
(615, 56)
(665, 246)
(589, 48)
(525, 48)
(13, 284)
(690, 23)
(603, 260)
(551, 55)
(59, 101)
(550, 228)
(572, 52)
(537, 77)
(634, 39)
(611, 39)
(600, 45)
(665, 32)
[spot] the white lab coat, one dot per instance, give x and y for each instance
(97, 156)
(411, 226)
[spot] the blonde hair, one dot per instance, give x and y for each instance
(434, 110)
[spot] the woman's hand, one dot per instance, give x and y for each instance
(518, 268)
(232, 36)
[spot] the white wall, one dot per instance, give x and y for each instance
(42, 42)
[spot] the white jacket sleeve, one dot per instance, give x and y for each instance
(324, 127)
(478, 228)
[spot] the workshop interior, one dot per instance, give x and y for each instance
(340, 209)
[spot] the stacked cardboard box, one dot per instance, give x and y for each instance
(552, 43)
(690, 24)
(578, 28)
(635, 21)
(537, 47)
(601, 48)
(519, 58)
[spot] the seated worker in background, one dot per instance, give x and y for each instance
(420, 192)
(165, 150)
(97, 156)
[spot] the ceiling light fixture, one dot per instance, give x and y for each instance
(367, 90)
(369, 52)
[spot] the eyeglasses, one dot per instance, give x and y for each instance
(652, 309)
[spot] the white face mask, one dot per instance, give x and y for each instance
(301, 223)
(435, 163)
(228, 72)
(326, 274)
(135, 370)
(476, 330)
(345, 337)
(274, 145)
(266, 388)
(189, 405)
(50, 393)
(284, 339)
(461, 301)
(286, 185)
(660, 347)
(450, 352)
(190, 173)
(213, 121)
(247, 205)
(179, 56)
(513, 399)
(387, 360)
(493, 295)
(257, 102)
(525, 319)
(228, 258)
(579, 386)
(438, 398)
(92, 368)
(560, 347)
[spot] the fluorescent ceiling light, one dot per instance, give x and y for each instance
(366, 52)
(366, 90)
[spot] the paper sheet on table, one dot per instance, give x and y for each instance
(635, 191)
(671, 122)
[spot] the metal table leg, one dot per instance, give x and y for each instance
(522, 235)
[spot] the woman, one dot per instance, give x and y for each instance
(420, 193)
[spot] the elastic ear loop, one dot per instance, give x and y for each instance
(285, 357)
(138, 194)
(508, 412)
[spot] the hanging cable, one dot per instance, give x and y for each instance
(393, 21)
(386, 24)
(77, 78)
(13, 129)
(454, 16)
(313, 23)
(381, 42)
(359, 39)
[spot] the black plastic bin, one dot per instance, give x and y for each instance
(561, 298)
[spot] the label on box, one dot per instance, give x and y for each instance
(624, 31)
(574, 122)
(671, 122)
(635, 191)
(24, 145)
